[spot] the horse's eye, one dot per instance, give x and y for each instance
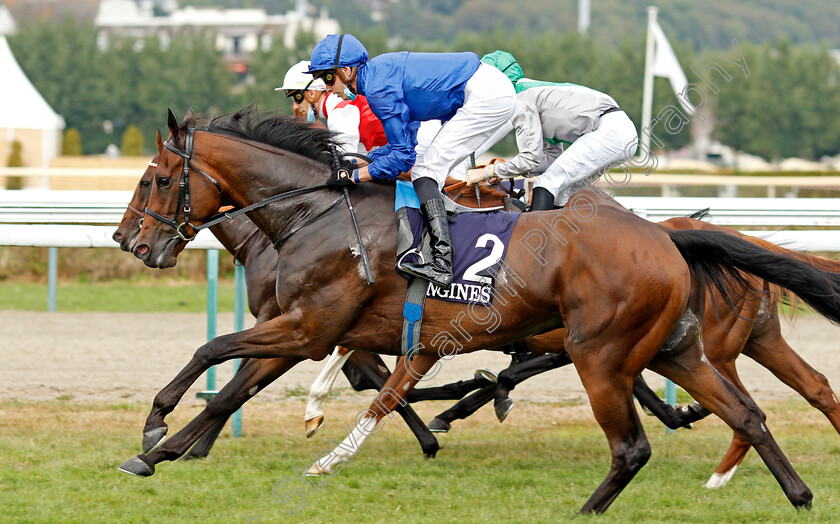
(163, 181)
(145, 183)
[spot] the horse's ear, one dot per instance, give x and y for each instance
(189, 119)
(158, 140)
(174, 129)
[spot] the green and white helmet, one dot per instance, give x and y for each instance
(297, 78)
(506, 63)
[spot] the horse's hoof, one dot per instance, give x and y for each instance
(151, 439)
(316, 471)
(719, 480)
(486, 375)
(503, 408)
(313, 425)
(137, 467)
(439, 426)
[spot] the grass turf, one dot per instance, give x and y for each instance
(58, 462)
(116, 296)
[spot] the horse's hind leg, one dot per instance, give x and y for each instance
(739, 447)
(507, 381)
(462, 409)
(672, 417)
(723, 399)
(313, 417)
(773, 352)
(611, 400)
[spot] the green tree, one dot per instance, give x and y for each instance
(785, 107)
(62, 62)
(132, 141)
(16, 156)
(15, 160)
(71, 142)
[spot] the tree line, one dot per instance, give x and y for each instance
(789, 105)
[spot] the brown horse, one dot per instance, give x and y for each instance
(752, 328)
(619, 285)
(726, 335)
(253, 250)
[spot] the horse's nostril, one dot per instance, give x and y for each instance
(142, 249)
(118, 237)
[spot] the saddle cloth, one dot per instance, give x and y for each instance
(479, 242)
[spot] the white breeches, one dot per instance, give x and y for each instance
(612, 142)
(489, 100)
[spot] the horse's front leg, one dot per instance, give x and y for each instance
(368, 423)
(253, 377)
(286, 336)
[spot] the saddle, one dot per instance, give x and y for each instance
(480, 237)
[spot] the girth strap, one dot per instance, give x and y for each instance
(415, 300)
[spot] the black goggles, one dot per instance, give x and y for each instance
(295, 94)
(328, 76)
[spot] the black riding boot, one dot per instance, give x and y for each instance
(542, 200)
(439, 269)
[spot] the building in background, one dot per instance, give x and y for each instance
(25, 116)
(238, 32)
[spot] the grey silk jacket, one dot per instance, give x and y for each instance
(546, 115)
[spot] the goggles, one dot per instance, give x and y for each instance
(295, 94)
(328, 75)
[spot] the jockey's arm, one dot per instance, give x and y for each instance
(529, 141)
(396, 157)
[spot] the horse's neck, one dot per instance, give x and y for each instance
(251, 173)
(234, 235)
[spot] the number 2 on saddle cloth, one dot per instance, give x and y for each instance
(479, 240)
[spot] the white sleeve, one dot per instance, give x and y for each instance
(343, 119)
(529, 141)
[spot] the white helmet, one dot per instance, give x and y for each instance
(298, 78)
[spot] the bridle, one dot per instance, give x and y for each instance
(184, 197)
(184, 190)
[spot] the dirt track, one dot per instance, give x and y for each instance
(123, 356)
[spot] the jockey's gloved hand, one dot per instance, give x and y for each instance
(342, 177)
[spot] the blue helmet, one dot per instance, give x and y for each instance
(336, 51)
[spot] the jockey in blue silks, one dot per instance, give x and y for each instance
(403, 89)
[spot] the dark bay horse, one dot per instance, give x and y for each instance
(254, 251)
(621, 287)
(363, 370)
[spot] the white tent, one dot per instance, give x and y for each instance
(25, 115)
(7, 23)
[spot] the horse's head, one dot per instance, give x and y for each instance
(129, 227)
(182, 195)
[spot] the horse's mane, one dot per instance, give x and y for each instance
(277, 130)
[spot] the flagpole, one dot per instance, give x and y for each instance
(647, 97)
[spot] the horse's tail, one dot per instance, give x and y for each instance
(714, 259)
